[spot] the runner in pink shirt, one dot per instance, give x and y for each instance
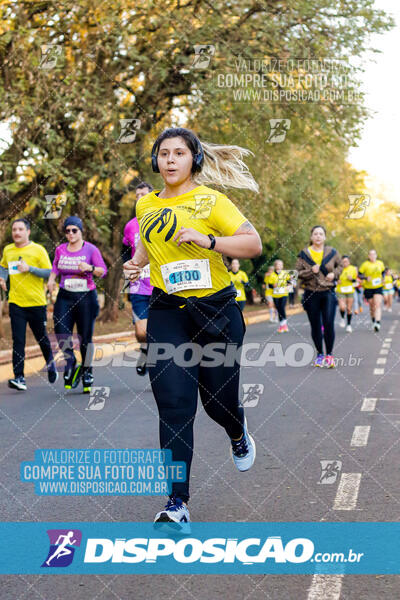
(139, 291)
(75, 263)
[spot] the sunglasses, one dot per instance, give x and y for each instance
(72, 230)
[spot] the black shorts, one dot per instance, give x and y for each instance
(368, 294)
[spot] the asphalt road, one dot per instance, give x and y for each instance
(301, 416)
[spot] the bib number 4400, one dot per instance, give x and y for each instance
(180, 276)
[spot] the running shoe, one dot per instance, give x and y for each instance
(243, 451)
(18, 383)
(175, 513)
(52, 373)
(319, 361)
(349, 329)
(72, 376)
(141, 368)
(87, 382)
(285, 328)
(342, 323)
(377, 326)
(281, 329)
(329, 361)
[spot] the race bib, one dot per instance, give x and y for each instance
(145, 272)
(388, 286)
(12, 268)
(76, 285)
(238, 294)
(186, 275)
(346, 289)
(290, 288)
(280, 290)
(377, 281)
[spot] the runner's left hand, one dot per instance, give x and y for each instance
(84, 266)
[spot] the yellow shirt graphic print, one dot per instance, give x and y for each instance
(203, 209)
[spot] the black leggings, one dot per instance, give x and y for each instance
(321, 308)
(36, 317)
(176, 387)
(80, 308)
(280, 305)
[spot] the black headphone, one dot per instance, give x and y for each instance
(198, 157)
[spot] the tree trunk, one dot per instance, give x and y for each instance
(112, 285)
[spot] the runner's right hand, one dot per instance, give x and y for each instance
(131, 270)
(3, 284)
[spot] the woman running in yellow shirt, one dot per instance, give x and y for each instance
(184, 230)
(345, 291)
(371, 272)
(240, 280)
(278, 282)
(388, 290)
(273, 315)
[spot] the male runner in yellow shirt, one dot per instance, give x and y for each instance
(26, 264)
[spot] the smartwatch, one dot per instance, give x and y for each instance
(213, 240)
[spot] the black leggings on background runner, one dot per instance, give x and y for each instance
(176, 387)
(321, 308)
(280, 305)
(36, 317)
(80, 308)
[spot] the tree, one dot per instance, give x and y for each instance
(72, 72)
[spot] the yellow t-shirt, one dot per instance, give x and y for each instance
(26, 289)
(280, 283)
(268, 291)
(345, 284)
(388, 282)
(373, 270)
(237, 279)
(203, 209)
(316, 255)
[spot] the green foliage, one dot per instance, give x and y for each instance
(124, 60)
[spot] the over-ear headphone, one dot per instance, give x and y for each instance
(198, 157)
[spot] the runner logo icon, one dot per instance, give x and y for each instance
(62, 547)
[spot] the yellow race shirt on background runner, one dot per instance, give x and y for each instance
(268, 291)
(237, 279)
(186, 270)
(345, 284)
(280, 282)
(26, 289)
(373, 270)
(388, 283)
(316, 255)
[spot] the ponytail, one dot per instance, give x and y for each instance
(224, 166)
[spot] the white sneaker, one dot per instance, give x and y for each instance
(349, 329)
(342, 323)
(243, 451)
(377, 326)
(175, 513)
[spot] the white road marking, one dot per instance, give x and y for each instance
(379, 371)
(369, 404)
(384, 351)
(381, 361)
(360, 435)
(347, 492)
(386, 345)
(387, 340)
(325, 587)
